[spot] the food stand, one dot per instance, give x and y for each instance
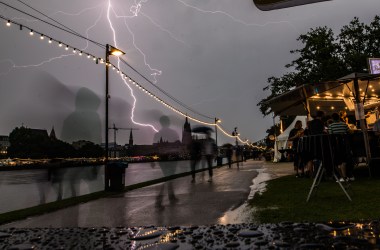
(357, 93)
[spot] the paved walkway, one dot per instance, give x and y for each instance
(176, 202)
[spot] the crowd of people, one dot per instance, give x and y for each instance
(306, 162)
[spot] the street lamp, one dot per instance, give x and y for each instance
(216, 130)
(110, 50)
(218, 159)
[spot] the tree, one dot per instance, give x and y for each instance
(325, 57)
(91, 150)
(28, 143)
(36, 144)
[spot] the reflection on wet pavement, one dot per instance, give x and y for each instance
(285, 235)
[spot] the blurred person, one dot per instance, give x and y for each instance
(229, 153)
(343, 116)
(166, 134)
(195, 149)
(294, 136)
(209, 149)
(342, 151)
(317, 126)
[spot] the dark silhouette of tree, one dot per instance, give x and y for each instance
(90, 150)
(28, 143)
(325, 57)
(36, 144)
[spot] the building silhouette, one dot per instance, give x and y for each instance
(163, 147)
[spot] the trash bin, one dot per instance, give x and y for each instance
(116, 176)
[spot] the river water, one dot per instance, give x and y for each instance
(27, 188)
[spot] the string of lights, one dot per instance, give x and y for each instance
(52, 19)
(100, 60)
(163, 91)
(53, 25)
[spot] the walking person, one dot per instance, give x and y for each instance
(195, 156)
(229, 153)
(209, 149)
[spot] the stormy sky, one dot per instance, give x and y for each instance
(213, 56)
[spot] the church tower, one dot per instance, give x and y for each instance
(186, 133)
(52, 134)
(130, 139)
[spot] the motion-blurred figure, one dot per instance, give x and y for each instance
(195, 156)
(166, 134)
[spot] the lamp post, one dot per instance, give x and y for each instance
(216, 130)
(235, 133)
(218, 159)
(110, 50)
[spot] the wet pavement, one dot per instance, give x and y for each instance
(198, 215)
(175, 202)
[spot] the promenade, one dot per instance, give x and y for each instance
(175, 202)
(198, 215)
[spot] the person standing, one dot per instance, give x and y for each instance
(294, 136)
(209, 149)
(343, 156)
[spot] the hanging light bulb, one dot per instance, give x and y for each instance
(74, 51)
(9, 23)
(60, 44)
(31, 33)
(67, 47)
(88, 56)
(42, 37)
(50, 40)
(80, 53)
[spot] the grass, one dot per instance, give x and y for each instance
(285, 200)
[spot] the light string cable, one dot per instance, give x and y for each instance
(65, 29)
(165, 92)
(102, 60)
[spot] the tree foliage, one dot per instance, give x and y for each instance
(326, 57)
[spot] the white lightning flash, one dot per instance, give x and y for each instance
(125, 81)
(233, 18)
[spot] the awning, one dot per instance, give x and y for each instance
(330, 97)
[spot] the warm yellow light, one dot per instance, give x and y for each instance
(318, 107)
(332, 107)
(116, 52)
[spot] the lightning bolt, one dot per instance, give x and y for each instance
(14, 66)
(124, 80)
(233, 18)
